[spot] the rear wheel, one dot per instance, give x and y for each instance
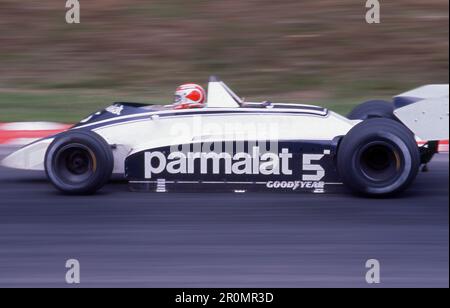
(373, 109)
(79, 162)
(378, 157)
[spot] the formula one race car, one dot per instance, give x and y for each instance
(241, 146)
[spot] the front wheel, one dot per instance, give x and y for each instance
(79, 162)
(378, 157)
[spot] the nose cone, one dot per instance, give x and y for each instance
(30, 157)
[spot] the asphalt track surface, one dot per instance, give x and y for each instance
(125, 239)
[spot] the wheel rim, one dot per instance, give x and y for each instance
(74, 164)
(380, 162)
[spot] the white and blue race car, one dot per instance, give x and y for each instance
(240, 146)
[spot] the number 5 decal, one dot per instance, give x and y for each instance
(309, 166)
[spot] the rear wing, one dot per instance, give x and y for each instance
(425, 111)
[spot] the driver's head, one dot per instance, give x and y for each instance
(189, 96)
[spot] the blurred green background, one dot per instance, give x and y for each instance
(320, 52)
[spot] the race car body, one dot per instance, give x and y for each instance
(238, 146)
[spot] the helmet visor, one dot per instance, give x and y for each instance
(178, 99)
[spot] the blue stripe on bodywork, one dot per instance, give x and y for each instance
(138, 117)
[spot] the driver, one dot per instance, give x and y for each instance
(188, 96)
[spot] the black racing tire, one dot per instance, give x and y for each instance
(378, 157)
(79, 162)
(373, 109)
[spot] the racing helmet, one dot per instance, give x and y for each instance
(189, 96)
